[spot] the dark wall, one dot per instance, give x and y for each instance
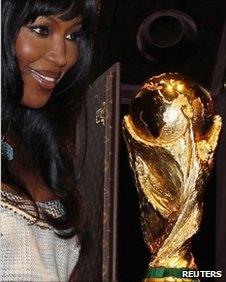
(116, 38)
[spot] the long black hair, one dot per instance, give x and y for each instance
(44, 135)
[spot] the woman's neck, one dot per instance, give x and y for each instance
(30, 177)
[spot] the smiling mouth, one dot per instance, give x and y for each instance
(47, 80)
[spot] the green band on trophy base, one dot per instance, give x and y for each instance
(167, 272)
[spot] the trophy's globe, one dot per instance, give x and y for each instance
(162, 107)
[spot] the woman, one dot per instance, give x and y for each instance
(46, 57)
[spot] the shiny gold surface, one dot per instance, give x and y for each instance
(171, 133)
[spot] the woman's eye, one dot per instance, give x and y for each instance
(40, 30)
(73, 36)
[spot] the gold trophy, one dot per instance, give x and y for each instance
(171, 133)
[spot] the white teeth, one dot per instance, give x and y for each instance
(44, 77)
(48, 78)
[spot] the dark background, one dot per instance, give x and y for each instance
(116, 41)
(116, 38)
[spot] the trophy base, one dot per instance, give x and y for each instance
(168, 275)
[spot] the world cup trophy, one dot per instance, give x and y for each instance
(171, 132)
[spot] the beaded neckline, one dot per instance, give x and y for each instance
(25, 208)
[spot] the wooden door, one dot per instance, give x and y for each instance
(97, 140)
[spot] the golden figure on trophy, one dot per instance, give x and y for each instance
(171, 133)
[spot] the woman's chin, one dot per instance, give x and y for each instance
(35, 102)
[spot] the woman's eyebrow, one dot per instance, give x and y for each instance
(78, 20)
(76, 25)
(75, 22)
(40, 19)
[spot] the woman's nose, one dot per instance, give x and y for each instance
(57, 53)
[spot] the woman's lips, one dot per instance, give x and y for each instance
(47, 80)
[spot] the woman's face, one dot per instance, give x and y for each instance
(45, 49)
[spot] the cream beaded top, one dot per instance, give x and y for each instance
(30, 249)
